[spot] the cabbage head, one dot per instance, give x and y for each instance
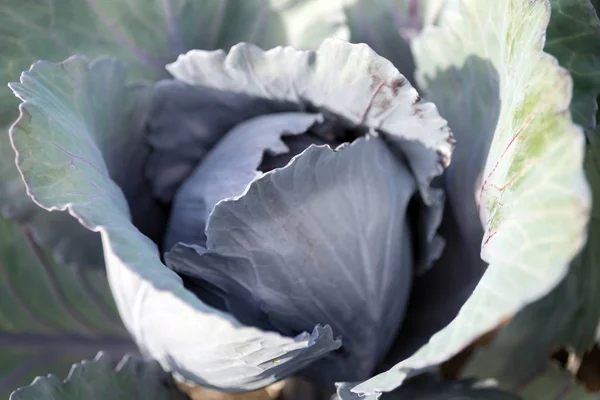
(353, 196)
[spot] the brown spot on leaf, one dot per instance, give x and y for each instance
(589, 370)
(385, 104)
(375, 80)
(416, 100)
(397, 84)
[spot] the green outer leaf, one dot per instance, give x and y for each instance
(569, 314)
(50, 316)
(573, 37)
(533, 198)
(17, 206)
(126, 153)
(132, 378)
(145, 34)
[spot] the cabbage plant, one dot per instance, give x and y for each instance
(299, 199)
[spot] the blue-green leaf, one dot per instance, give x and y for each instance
(98, 379)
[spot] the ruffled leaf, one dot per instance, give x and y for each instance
(125, 152)
(486, 71)
(61, 142)
(132, 378)
(380, 98)
(428, 387)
